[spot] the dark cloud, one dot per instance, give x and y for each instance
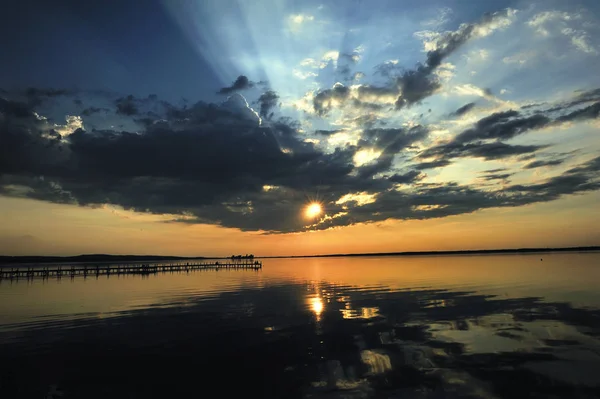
(415, 86)
(500, 176)
(210, 164)
(487, 151)
(323, 101)
(367, 121)
(540, 163)
(425, 201)
(392, 140)
(420, 83)
(127, 106)
(406, 178)
(485, 138)
(582, 97)
(502, 126)
(36, 96)
(37, 92)
(241, 83)
(215, 164)
(362, 105)
(267, 102)
(409, 87)
(376, 91)
(589, 112)
(440, 163)
(591, 166)
(388, 69)
(93, 110)
(389, 142)
(494, 170)
(464, 109)
(206, 161)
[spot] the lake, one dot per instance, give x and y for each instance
(484, 326)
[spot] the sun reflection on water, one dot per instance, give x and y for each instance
(316, 305)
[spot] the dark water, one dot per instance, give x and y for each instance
(415, 327)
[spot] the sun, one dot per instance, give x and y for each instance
(313, 210)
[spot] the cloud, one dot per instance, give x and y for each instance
(487, 151)
(464, 109)
(93, 110)
(412, 86)
(520, 58)
(406, 178)
(209, 163)
(502, 126)
(557, 23)
(497, 176)
(241, 83)
(299, 19)
(440, 163)
(589, 112)
(541, 163)
(267, 102)
(126, 106)
(326, 99)
(238, 165)
(385, 144)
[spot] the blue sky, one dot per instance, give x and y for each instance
(378, 110)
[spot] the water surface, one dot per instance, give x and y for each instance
(486, 326)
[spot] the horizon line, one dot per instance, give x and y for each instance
(396, 253)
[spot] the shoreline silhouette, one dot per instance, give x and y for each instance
(149, 258)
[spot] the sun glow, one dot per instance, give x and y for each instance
(316, 305)
(313, 210)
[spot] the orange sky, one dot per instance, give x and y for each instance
(29, 227)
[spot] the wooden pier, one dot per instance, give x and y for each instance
(114, 269)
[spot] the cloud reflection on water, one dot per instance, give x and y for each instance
(322, 338)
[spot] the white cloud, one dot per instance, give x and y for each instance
(472, 90)
(363, 157)
(483, 30)
(429, 39)
(477, 55)
(541, 19)
(580, 41)
(441, 19)
(360, 49)
(520, 58)
(329, 56)
(343, 138)
(358, 76)
(445, 71)
(309, 62)
(73, 123)
(303, 75)
(360, 199)
(550, 23)
(299, 19)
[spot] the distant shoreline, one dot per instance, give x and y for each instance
(153, 258)
(461, 252)
(98, 258)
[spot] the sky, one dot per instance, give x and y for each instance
(207, 128)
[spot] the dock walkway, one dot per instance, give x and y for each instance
(120, 269)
